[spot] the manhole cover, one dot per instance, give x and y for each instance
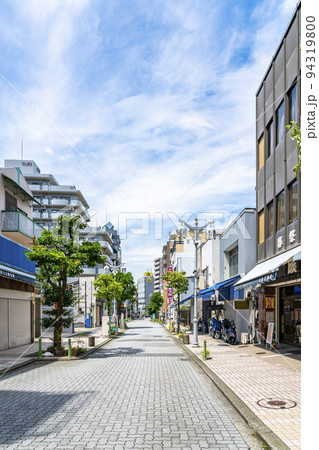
(274, 403)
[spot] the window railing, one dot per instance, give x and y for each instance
(19, 222)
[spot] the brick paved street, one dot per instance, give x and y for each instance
(139, 391)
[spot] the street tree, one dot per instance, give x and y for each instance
(179, 283)
(155, 304)
(129, 289)
(59, 256)
(108, 290)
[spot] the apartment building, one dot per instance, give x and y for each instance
(52, 199)
(158, 273)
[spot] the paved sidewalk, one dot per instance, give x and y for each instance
(258, 376)
(13, 358)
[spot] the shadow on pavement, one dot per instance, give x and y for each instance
(129, 351)
(23, 411)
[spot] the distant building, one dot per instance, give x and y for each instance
(145, 288)
(158, 273)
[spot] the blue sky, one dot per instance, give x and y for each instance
(146, 106)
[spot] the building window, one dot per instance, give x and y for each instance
(280, 123)
(233, 262)
(261, 227)
(261, 152)
(293, 201)
(270, 138)
(280, 219)
(270, 219)
(292, 104)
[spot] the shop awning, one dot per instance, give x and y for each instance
(206, 294)
(266, 271)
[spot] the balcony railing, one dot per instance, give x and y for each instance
(16, 221)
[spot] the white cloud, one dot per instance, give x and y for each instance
(152, 97)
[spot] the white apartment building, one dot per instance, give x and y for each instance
(52, 199)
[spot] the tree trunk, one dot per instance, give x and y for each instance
(58, 326)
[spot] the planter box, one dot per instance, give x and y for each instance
(75, 351)
(91, 341)
(186, 339)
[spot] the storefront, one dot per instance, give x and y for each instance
(276, 297)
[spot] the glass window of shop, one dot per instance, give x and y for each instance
(290, 314)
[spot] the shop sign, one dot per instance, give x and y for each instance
(270, 332)
(269, 302)
(7, 274)
(292, 267)
(242, 304)
(280, 242)
(292, 236)
(267, 278)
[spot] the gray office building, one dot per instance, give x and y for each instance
(276, 280)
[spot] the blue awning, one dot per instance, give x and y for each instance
(206, 293)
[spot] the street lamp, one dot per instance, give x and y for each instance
(211, 234)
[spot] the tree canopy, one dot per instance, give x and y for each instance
(59, 256)
(108, 289)
(155, 303)
(179, 283)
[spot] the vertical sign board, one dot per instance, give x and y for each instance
(270, 333)
(169, 290)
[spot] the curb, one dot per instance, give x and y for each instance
(16, 366)
(264, 433)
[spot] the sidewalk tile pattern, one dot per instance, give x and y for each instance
(253, 379)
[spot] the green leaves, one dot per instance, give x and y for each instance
(177, 281)
(296, 136)
(155, 303)
(108, 289)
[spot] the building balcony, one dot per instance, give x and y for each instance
(106, 247)
(19, 228)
